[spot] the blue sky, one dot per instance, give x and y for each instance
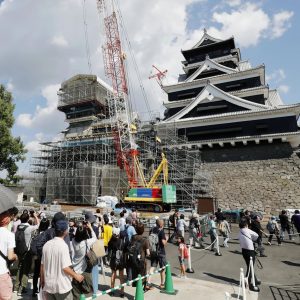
(45, 44)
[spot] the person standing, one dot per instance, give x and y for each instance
(160, 258)
(95, 228)
(224, 229)
(134, 216)
(212, 230)
(194, 230)
(56, 271)
(181, 226)
(106, 234)
(173, 224)
(127, 235)
(273, 228)
(246, 238)
(44, 225)
(182, 249)
(84, 238)
(141, 244)
(257, 228)
(23, 240)
(117, 261)
(296, 221)
(7, 245)
(284, 225)
(219, 216)
(122, 221)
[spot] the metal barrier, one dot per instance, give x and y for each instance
(128, 283)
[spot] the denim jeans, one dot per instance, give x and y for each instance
(95, 278)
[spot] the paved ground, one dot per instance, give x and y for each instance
(216, 275)
(280, 274)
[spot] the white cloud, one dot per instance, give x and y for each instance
(233, 2)
(247, 24)
(277, 76)
(281, 23)
(46, 119)
(283, 88)
(59, 40)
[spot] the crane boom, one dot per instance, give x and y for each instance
(114, 63)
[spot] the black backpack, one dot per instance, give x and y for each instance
(42, 239)
(33, 245)
(21, 247)
(118, 256)
(135, 257)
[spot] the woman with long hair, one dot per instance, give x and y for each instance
(84, 238)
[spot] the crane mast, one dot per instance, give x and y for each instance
(114, 64)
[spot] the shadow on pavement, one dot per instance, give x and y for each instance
(223, 278)
(285, 292)
(235, 252)
(290, 263)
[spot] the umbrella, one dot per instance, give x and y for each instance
(8, 199)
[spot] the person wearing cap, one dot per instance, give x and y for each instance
(84, 238)
(56, 271)
(92, 220)
(7, 245)
(117, 261)
(49, 234)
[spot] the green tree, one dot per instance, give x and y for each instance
(11, 148)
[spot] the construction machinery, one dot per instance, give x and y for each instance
(142, 194)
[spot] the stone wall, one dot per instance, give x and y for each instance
(258, 177)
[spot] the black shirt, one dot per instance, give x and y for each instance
(161, 236)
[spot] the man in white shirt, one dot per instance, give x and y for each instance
(247, 237)
(56, 273)
(7, 245)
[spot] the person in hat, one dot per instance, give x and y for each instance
(7, 245)
(56, 271)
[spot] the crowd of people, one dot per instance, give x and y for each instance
(62, 254)
(65, 263)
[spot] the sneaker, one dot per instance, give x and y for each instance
(279, 244)
(263, 255)
(269, 243)
(184, 277)
(21, 291)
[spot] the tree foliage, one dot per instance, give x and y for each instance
(11, 148)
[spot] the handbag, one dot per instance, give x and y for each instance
(90, 257)
(98, 248)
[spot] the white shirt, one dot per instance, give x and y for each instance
(122, 223)
(7, 241)
(80, 250)
(55, 258)
(247, 237)
(28, 232)
(181, 224)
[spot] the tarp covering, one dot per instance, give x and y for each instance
(8, 199)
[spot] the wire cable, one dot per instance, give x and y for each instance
(85, 29)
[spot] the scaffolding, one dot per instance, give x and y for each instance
(84, 164)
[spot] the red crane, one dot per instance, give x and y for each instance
(114, 63)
